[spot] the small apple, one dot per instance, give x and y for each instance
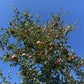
(65, 70)
(46, 31)
(69, 58)
(25, 14)
(64, 50)
(30, 56)
(39, 26)
(51, 48)
(14, 57)
(75, 56)
(59, 33)
(63, 30)
(45, 41)
(55, 24)
(9, 47)
(38, 42)
(58, 36)
(51, 44)
(70, 75)
(77, 67)
(23, 54)
(57, 61)
(26, 31)
(49, 34)
(30, 72)
(10, 23)
(36, 60)
(38, 31)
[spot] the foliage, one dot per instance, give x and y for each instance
(41, 51)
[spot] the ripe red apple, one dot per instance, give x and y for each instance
(64, 50)
(65, 70)
(45, 41)
(14, 57)
(69, 58)
(63, 30)
(46, 31)
(55, 24)
(58, 36)
(26, 31)
(57, 61)
(75, 56)
(70, 75)
(51, 48)
(77, 67)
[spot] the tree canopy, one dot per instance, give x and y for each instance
(41, 50)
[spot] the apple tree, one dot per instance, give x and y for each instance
(40, 50)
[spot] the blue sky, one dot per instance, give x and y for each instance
(75, 7)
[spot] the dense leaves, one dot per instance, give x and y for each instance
(41, 51)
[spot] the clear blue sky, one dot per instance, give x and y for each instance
(75, 7)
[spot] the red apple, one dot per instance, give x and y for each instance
(77, 67)
(64, 50)
(69, 58)
(70, 75)
(46, 31)
(55, 24)
(26, 31)
(63, 30)
(51, 48)
(58, 36)
(14, 58)
(45, 41)
(65, 70)
(75, 56)
(57, 61)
